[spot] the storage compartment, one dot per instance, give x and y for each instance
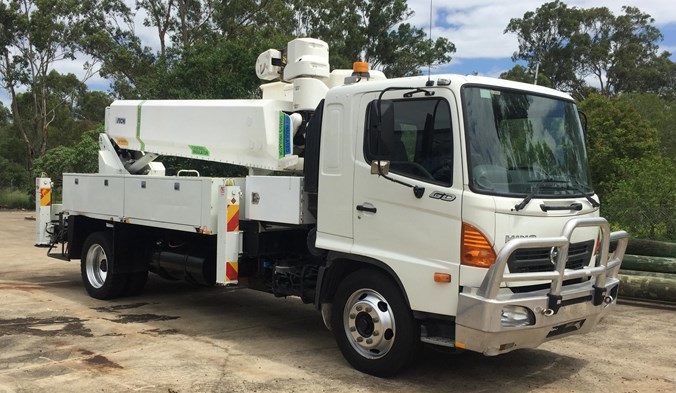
(177, 200)
(278, 199)
(94, 193)
(180, 203)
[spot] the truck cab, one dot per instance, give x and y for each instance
(430, 179)
(451, 210)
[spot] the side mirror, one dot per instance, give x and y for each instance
(379, 167)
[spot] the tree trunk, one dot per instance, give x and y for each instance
(649, 264)
(652, 248)
(16, 119)
(182, 12)
(651, 286)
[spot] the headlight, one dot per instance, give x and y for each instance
(513, 316)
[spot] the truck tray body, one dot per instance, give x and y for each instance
(183, 203)
(180, 203)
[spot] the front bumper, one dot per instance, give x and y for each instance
(557, 312)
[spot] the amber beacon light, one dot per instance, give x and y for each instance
(475, 249)
(360, 67)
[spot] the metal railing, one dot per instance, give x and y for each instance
(605, 264)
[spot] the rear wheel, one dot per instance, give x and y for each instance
(97, 266)
(374, 328)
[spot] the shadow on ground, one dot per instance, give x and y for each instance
(284, 330)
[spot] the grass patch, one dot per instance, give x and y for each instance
(15, 199)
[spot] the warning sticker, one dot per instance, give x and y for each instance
(199, 150)
(45, 197)
(284, 134)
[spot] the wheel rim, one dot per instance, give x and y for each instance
(369, 323)
(96, 265)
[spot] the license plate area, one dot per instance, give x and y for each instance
(567, 327)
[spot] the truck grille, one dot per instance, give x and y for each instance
(537, 259)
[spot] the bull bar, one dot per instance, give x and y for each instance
(557, 311)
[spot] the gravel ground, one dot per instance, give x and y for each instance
(176, 338)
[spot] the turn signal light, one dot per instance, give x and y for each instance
(442, 277)
(475, 249)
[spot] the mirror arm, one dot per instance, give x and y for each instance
(417, 190)
(395, 88)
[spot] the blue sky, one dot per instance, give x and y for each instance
(475, 26)
(494, 66)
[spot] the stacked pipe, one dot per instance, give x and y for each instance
(648, 271)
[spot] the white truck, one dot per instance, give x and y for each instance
(449, 210)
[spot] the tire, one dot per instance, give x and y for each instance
(96, 267)
(135, 283)
(374, 328)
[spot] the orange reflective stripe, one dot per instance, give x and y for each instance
(231, 271)
(232, 218)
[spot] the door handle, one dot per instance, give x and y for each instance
(367, 207)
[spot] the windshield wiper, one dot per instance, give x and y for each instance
(578, 187)
(534, 190)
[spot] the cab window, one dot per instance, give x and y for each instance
(414, 135)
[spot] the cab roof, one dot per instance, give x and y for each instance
(456, 82)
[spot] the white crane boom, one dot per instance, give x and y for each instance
(251, 133)
(255, 133)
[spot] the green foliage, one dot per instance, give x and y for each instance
(375, 30)
(205, 168)
(660, 112)
(11, 198)
(12, 175)
(207, 48)
(91, 107)
(81, 157)
(630, 145)
(642, 200)
(620, 51)
(543, 37)
(520, 73)
(218, 69)
(35, 36)
(616, 132)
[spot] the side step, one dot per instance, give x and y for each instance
(59, 256)
(440, 341)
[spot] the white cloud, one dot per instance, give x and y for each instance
(476, 26)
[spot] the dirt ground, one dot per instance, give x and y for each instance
(176, 338)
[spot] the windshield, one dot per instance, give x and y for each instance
(518, 143)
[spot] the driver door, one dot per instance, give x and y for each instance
(415, 237)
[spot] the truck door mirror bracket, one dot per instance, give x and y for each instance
(382, 168)
(379, 167)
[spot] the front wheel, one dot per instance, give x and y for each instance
(374, 328)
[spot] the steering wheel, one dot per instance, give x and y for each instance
(443, 172)
(482, 179)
